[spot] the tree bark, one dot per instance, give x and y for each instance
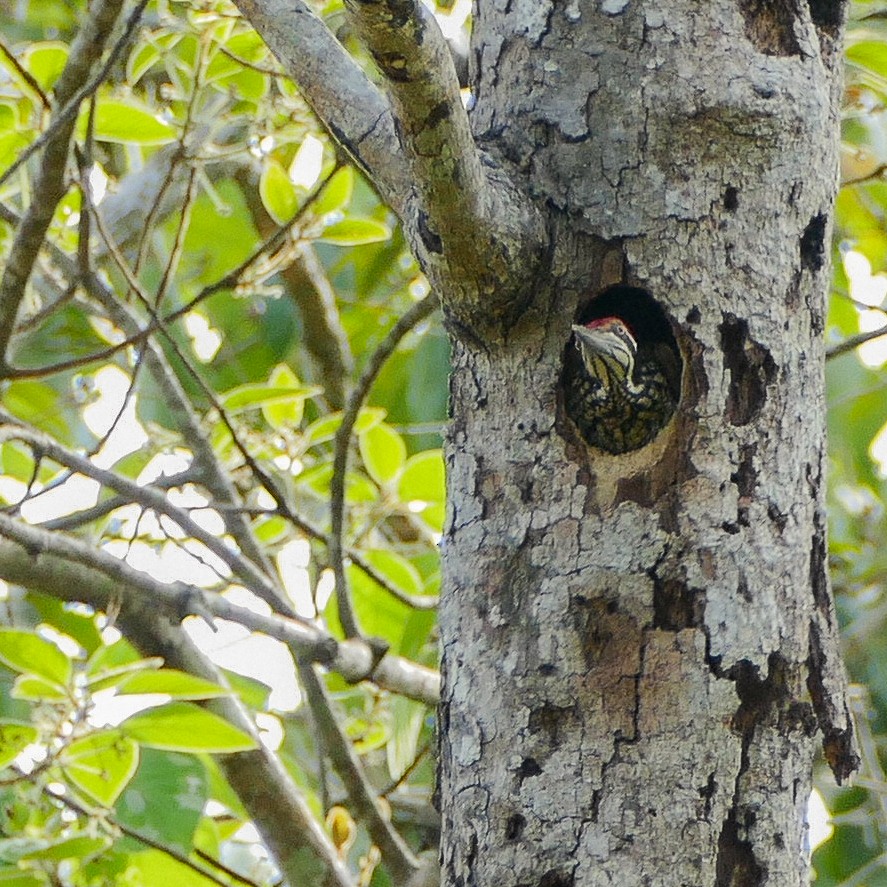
(639, 650)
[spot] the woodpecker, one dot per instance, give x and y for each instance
(620, 396)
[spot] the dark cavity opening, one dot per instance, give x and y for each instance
(621, 382)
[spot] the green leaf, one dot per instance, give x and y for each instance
(284, 412)
(357, 487)
(423, 478)
(77, 847)
(152, 867)
(407, 717)
(130, 124)
(44, 62)
(100, 765)
(144, 804)
(336, 193)
(34, 689)
(258, 394)
(325, 428)
(14, 737)
(17, 878)
(185, 727)
(114, 656)
(396, 569)
(38, 404)
(383, 452)
(178, 684)
(110, 675)
(277, 192)
(369, 417)
(140, 61)
(869, 55)
(28, 653)
(354, 232)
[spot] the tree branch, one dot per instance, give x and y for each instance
(472, 228)
(853, 342)
(396, 855)
(49, 184)
(345, 101)
(147, 497)
(63, 567)
(340, 455)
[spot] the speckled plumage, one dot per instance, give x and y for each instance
(618, 395)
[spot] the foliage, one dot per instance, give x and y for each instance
(204, 206)
(855, 854)
(206, 213)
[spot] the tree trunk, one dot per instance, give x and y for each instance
(639, 649)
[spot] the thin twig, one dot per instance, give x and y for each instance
(413, 316)
(399, 860)
(853, 342)
(230, 281)
(38, 558)
(71, 105)
(148, 841)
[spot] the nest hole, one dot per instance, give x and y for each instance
(612, 413)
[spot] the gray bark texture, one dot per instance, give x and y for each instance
(639, 651)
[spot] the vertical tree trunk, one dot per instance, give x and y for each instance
(639, 650)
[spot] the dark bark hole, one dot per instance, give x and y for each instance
(819, 568)
(556, 879)
(731, 199)
(769, 26)
(622, 370)
(675, 605)
(827, 14)
(746, 479)
(813, 244)
(529, 767)
(736, 865)
(751, 369)
(514, 827)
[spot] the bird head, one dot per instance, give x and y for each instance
(607, 348)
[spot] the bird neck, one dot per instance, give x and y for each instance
(614, 369)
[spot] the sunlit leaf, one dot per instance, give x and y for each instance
(17, 878)
(282, 413)
(185, 727)
(129, 123)
(277, 192)
(336, 193)
(44, 62)
(110, 675)
(423, 478)
(34, 689)
(354, 232)
(78, 847)
(14, 737)
(255, 395)
(407, 718)
(29, 653)
(100, 765)
(177, 684)
(383, 452)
